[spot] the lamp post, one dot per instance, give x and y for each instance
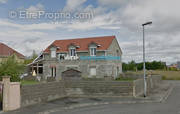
(144, 64)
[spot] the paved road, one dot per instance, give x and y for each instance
(170, 106)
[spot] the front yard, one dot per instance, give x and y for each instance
(166, 75)
(26, 82)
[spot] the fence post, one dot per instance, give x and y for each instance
(6, 86)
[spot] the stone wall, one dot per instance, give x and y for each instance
(103, 67)
(32, 94)
(152, 82)
(99, 88)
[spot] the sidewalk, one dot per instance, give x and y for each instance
(157, 95)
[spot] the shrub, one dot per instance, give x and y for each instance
(124, 79)
(11, 67)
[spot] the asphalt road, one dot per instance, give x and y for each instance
(170, 106)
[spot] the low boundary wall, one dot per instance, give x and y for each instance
(99, 88)
(152, 82)
(32, 94)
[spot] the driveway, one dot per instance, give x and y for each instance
(170, 106)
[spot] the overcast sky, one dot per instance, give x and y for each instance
(122, 18)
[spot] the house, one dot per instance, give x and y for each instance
(94, 57)
(173, 66)
(178, 65)
(6, 51)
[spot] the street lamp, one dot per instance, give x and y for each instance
(144, 64)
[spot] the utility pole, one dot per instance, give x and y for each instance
(144, 60)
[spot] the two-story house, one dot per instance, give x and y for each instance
(95, 57)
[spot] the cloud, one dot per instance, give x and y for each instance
(161, 37)
(120, 17)
(3, 1)
(38, 7)
(72, 5)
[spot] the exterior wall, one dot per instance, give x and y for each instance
(32, 94)
(14, 96)
(108, 68)
(11, 94)
(17, 59)
(113, 48)
(152, 82)
(112, 51)
(98, 88)
(103, 67)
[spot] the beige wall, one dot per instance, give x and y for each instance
(11, 94)
(17, 59)
(14, 95)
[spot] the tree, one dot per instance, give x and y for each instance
(32, 57)
(155, 65)
(12, 68)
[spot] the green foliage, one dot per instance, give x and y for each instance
(130, 66)
(11, 67)
(28, 82)
(124, 79)
(155, 65)
(173, 69)
(31, 59)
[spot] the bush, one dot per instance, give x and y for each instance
(124, 79)
(12, 68)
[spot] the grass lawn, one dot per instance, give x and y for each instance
(124, 79)
(166, 75)
(25, 82)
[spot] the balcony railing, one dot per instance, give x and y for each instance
(99, 58)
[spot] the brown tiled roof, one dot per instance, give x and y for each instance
(83, 43)
(7, 51)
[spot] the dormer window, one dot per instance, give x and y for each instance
(72, 52)
(92, 48)
(93, 51)
(53, 51)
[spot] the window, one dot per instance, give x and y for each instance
(61, 56)
(53, 71)
(40, 68)
(93, 51)
(53, 53)
(72, 52)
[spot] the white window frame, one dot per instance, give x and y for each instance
(53, 53)
(93, 51)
